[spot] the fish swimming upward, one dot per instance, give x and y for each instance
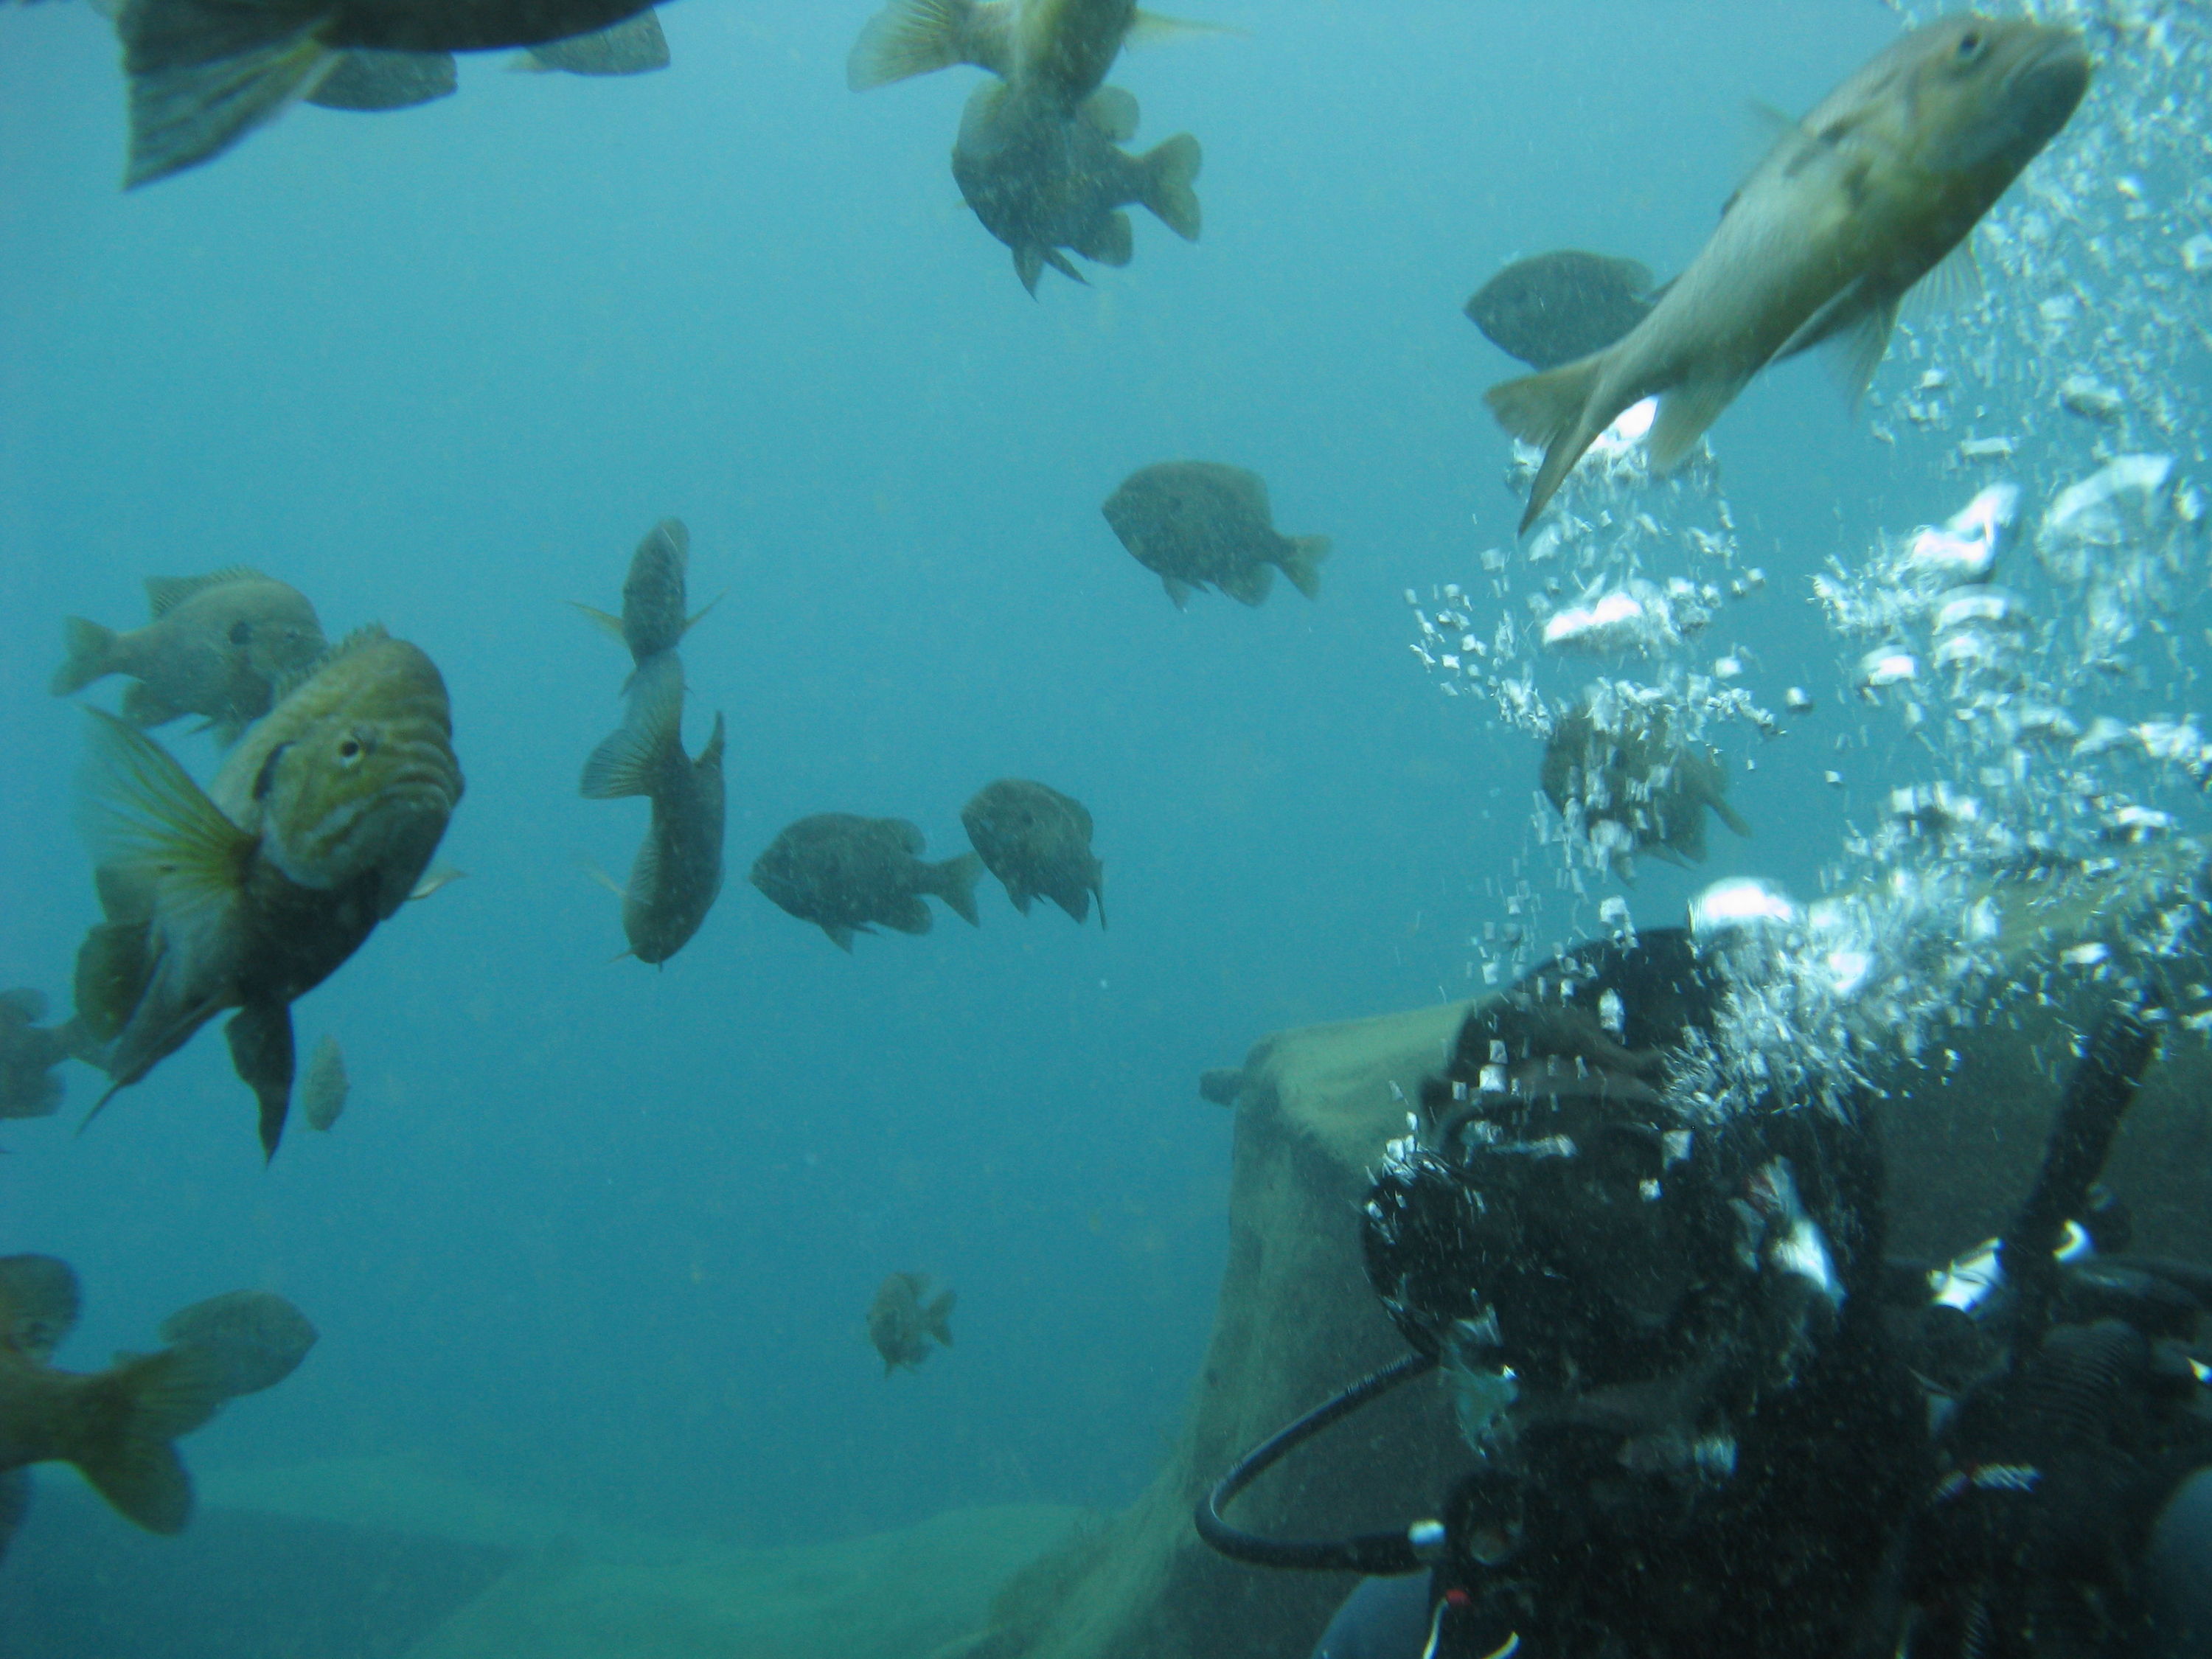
(249, 894)
(654, 599)
(678, 874)
(1852, 206)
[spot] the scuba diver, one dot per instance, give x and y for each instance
(1710, 1415)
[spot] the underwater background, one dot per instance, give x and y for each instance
(602, 1236)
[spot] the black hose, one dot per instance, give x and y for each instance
(1377, 1554)
(2097, 1096)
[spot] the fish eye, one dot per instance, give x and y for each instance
(240, 632)
(350, 749)
(1970, 43)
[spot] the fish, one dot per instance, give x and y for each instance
(249, 894)
(322, 1093)
(217, 647)
(1036, 841)
(204, 73)
(845, 873)
(653, 601)
(253, 1338)
(28, 1054)
(902, 1325)
(1638, 785)
(1064, 48)
(1041, 180)
(678, 871)
(370, 81)
(1853, 206)
(118, 1427)
(635, 46)
(1551, 308)
(1197, 524)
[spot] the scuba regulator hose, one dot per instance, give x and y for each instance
(1375, 1555)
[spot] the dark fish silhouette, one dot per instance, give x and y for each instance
(1036, 841)
(1635, 783)
(844, 873)
(902, 1325)
(1554, 308)
(28, 1054)
(1199, 523)
(654, 598)
(1042, 179)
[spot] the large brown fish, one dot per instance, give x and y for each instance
(250, 894)
(117, 1426)
(1041, 179)
(204, 73)
(902, 1325)
(844, 873)
(1852, 206)
(1201, 522)
(1036, 841)
(1061, 48)
(1639, 786)
(216, 647)
(678, 871)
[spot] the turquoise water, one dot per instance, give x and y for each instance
(603, 1237)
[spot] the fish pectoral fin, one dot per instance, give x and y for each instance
(606, 621)
(1954, 284)
(1685, 412)
(146, 818)
(1112, 111)
(1857, 350)
(1151, 28)
(204, 73)
(441, 875)
(840, 935)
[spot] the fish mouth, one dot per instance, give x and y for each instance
(2048, 83)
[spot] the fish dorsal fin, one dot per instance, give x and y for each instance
(143, 811)
(631, 760)
(1151, 28)
(165, 593)
(1112, 111)
(37, 1304)
(361, 638)
(917, 37)
(1954, 284)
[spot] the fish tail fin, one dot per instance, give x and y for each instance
(204, 73)
(1685, 412)
(631, 760)
(916, 37)
(1559, 409)
(937, 1319)
(1170, 170)
(1302, 563)
(136, 1411)
(88, 652)
(956, 885)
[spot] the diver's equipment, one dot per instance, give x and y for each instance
(1376, 1554)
